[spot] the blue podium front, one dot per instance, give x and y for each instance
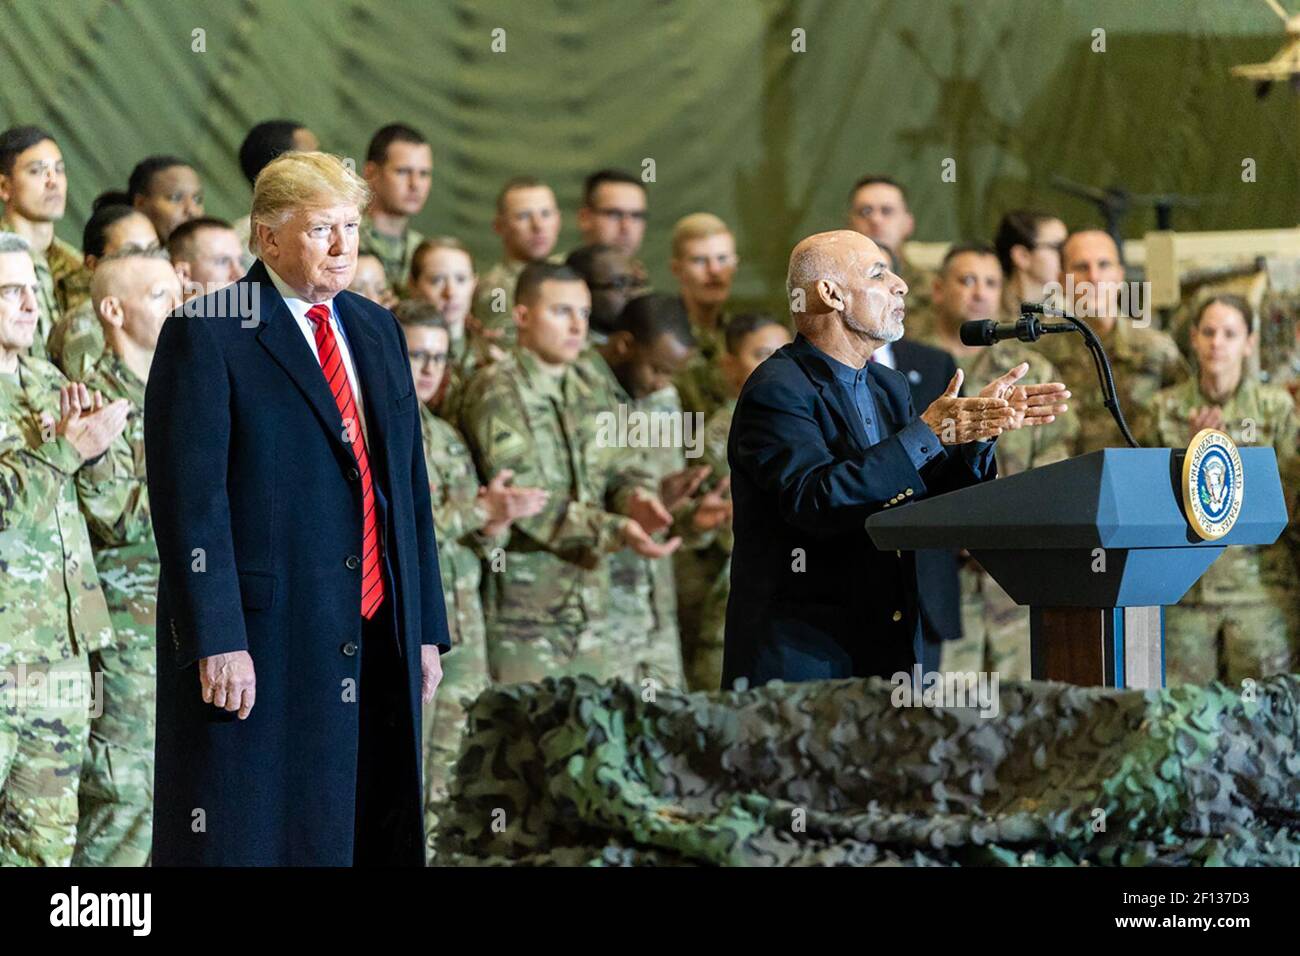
(1095, 546)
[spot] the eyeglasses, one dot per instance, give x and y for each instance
(636, 215)
(422, 357)
(617, 284)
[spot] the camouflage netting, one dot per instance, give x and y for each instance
(575, 772)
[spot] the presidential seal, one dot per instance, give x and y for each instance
(1212, 484)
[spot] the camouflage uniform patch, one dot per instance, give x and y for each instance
(393, 252)
(51, 604)
(76, 342)
(1144, 360)
(42, 739)
(494, 301)
(700, 384)
(704, 574)
(464, 359)
(52, 614)
(643, 597)
(458, 519)
(116, 799)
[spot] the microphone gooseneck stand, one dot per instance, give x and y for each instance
(1028, 317)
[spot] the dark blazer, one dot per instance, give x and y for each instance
(928, 371)
(811, 597)
(256, 503)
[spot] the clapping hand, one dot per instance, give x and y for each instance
(648, 516)
(505, 503)
(648, 511)
(956, 420)
(86, 422)
(1210, 416)
(714, 507)
(680, 485)
(636, 538)
(1033, 404)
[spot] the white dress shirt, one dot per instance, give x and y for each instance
(298, 307)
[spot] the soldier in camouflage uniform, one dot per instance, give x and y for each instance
(704, 261)
(34, 189)
(614, 278)
(1239, 620)
(633, 374)
(528, 222)
(394, 253)
(77, 340)
(547, 594)
(465, 357)
(878, 209)
(709, 570)
(995, 630)
(701, 383)
(399, 170)
(1279, 355)
(52, 610)
(1143, 359)
(442, 274)
(471, 521)
(750, 338)
(204, 251)
(133, 293)
(1028, 243)
(494, 302)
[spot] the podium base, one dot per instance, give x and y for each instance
(1093, 646)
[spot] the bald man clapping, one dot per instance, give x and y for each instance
(821, 439)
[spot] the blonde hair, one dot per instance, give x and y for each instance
(433, 244)
(297, 180)
(698, 225)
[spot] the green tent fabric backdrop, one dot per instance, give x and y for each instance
(735, 121)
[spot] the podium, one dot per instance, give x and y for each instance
(1095, 546)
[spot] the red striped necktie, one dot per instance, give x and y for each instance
(336, 376)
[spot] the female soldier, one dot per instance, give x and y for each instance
(1237, 622)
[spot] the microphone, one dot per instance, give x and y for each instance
(1027, 329)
